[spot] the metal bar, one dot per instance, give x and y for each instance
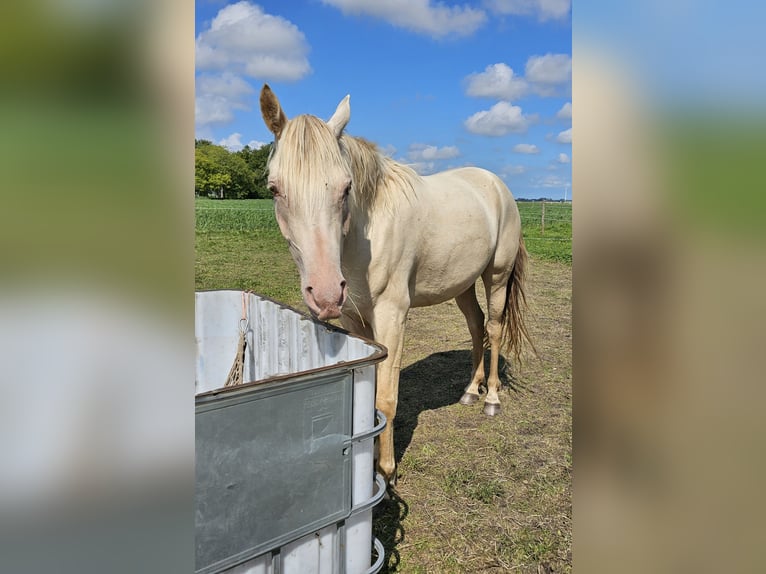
(376, 567)
(380, 482)
(374, 431)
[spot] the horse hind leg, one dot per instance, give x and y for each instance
(496, 288)
(474, 316)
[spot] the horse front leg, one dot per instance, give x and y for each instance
(388, 327)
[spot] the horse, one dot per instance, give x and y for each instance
(371, 239)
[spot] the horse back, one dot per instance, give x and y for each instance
(470, 222)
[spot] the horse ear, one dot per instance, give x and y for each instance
(341, 116)
(271, 111)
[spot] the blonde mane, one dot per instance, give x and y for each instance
(378, 180)
(306, 149)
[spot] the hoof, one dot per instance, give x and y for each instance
(389, 479)
(469, 399)
(491, 409)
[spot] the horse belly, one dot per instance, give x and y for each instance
(431, 293)
(453, 259)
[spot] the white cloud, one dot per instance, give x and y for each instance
(565, 113)
(563, 158)
(422, 16)
(233, 142)
(565, 136)
(496, 81)
(549, 69)
(423, 152)
(218, 96)
(545, 76)
(509, 170)
(211, 110)
(548, 73)
(543, 9)
(551, 181)
(526, 148)
(227, 85)
(423, 167)
(243, 39)
(499, 120)
(388, 150)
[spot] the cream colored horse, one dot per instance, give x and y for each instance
(371, 239)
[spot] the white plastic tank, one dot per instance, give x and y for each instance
(316, 383)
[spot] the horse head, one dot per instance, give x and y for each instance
(310, 180)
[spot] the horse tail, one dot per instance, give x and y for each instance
(514, 328)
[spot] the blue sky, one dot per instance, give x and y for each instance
(434, 84)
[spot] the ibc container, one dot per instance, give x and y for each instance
(284, 462)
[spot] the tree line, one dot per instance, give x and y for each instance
(223, 174)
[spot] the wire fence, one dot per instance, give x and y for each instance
(541, 221)
(271, 211)
(547, 227)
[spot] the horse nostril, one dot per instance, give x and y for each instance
(343, 284)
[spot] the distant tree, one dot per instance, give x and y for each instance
(210, 178)
(242, 185)
(256, 160)
(220, 173)
(218, 183)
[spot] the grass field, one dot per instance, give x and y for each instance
(257, 215)
(474, 494)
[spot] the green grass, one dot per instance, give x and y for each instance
(466, 482)
(234, 215)
(256, 216)
(554, 242)
(528, 546)
(254, 261)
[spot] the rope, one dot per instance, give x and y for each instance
(236, 373)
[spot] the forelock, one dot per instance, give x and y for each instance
(307, 154)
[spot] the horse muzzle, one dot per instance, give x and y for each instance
(326, 303)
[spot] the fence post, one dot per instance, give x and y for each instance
(542, 221)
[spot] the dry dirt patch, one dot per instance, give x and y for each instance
(480, 494)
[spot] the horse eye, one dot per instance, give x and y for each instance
(272, 187)
(347, 190)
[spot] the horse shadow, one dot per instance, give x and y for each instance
(434, 382)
